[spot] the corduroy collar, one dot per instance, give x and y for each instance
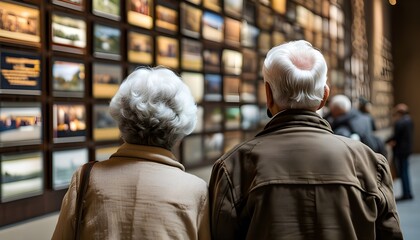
(295, 118)
(150, 153)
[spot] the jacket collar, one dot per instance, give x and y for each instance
(149, 153)
(295, 118)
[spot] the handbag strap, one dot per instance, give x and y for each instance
(85, 173)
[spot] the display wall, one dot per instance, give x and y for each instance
(62, 61)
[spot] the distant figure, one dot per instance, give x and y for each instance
(351, 123)
(402, 144)
(296, 179)
(365, 107)
(142, 191)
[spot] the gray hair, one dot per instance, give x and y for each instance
(296, 73)
(341, 102)
(154, 107)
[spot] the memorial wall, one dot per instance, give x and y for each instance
(63, 60)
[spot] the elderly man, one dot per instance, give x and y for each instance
(351, 123)
(296, 179)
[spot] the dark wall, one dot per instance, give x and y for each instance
(405, 29)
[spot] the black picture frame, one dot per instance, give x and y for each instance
(23, 25)
(140, 13)
(69, 122)
(21, 123)
(64, 163)
(68, 33)
(106, 79)
(110, 9)
(22, 175)
(105, 128)
(20, 73)
(106, 42)
(68, 77)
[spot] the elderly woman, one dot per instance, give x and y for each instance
(142, 191)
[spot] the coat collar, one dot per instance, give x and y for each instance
(295, 118)
(150, 153)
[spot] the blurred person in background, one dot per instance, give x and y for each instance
(296, 179)
(365, 108)
(402, 144)
(351, 123)
(142, 191)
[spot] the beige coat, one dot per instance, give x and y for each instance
(141, 192)
(297, 180)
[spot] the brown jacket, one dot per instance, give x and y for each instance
(141, 192)
(296, 180)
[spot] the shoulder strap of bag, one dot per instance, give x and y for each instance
(85, 173)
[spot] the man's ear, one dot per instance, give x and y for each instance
(325, 97)
(269, 95)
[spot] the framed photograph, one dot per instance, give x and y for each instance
(278, 38)
(68, 78)
(104, 126)
(265, 18)
(232, 117)
(167, 52)
(106, 79)
(190, 20)
(20, 23)
(20, 73)
(73, 4)
(213, 118)
(265, 2)
(192, 150)
(232, 32)
(140, 48)
(195, 81)
(279, 6)
(166, 19)
(212, 87)
(249, 35)
(68, 33)
(291, 11)
(231, 88)
(250, 115)
(64, 164)
(264, 42)
(20, 124)
(231, 139)
(249, 12)
(196, 2)
(248, 91)
(200, 114)
(232, 62)
(213, 146)
(69, 122)
(191, 58)
(213, 5)
(139, 13)
(250, 64)
(106, 43)
(213, 27)
(103, 153)
(22, 175)
(234, 7)
(108, 9)
(211, 58)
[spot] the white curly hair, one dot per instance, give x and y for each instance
(154, 107)
(297, 74)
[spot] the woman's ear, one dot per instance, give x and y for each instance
(325, 97)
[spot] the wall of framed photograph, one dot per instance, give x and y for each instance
(57, 78)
